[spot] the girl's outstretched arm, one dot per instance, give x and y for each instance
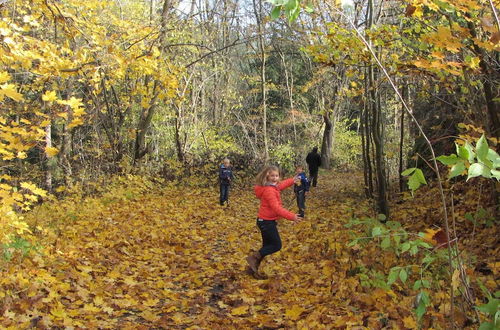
(285, 184)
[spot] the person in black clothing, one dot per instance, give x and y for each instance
(313, 160)
(225, 178)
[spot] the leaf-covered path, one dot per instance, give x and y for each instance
(173, 258)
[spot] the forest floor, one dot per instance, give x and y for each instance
(173, 258)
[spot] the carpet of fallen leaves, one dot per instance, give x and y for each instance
(173, 258)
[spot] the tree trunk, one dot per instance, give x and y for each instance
(401, 139)
(326, 144)
(367, 142)
(488, 87)
(263, 88)
(140, 148)
(377, 133)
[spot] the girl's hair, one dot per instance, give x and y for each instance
(262, 176)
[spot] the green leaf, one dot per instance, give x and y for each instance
(397, 239)
(425, 298)
(491, 307)
(417, 285)
(426, 284)
(293, 14)
(470, 151)
(487, 326)
(381, 217)
(469, 217)
(478, 169)
(386, 243)
(376, 231)
(448, 160)
(423, 301)
(291, 5)
(414, 250)
(482, 149)
(428, 259)
(456, 170)
(495, 174)
(277, 2)
(309, 9)
(420, 176)
(414, 182)
(393, 276)
(405, 247)
(425, 245)
(276, 12)
(408, 171)
(420, 311)
(462, 152)
(391, 224)
(352, 243)
(494, 158)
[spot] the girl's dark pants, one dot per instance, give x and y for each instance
(301, 201)
(224, 193)
(271, 241)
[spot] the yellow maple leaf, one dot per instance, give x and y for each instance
(429, 235)
(51, 151)
(4, 77)
(240, 310)
(5, 177)
(49, 96)
(294, 313)
(75, 122)
(58, 313)
(409, 322)
(90, 308)
(98, 301)
(10, 91)
(151, 302)
(130, 281)
(20, 227)
(149, 316)
(73, 102)
(34, 189)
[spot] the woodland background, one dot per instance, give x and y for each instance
(130, 96)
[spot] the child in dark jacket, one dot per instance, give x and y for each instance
(225, 178)
(300, 188)
(268, 189)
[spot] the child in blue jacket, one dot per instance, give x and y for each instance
(300, 189)
(225, 178)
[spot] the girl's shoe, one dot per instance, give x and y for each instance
(254, 261)
(257, 276)
(260, 276)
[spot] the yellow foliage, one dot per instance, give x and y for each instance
(173, 257)
(239, 310)
(294, 313)
(51, 151)
(4, 77)
(10, 91)
(49, 96)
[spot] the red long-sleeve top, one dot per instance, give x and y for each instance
(271, 207)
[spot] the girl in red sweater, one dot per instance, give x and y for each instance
(267, 189)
